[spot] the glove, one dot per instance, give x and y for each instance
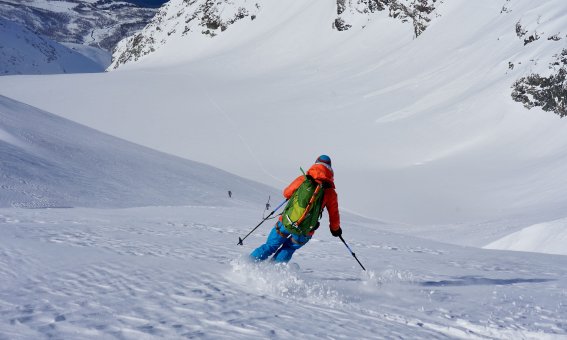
(337, 233)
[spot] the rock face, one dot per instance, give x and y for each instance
(181, 18)
(418, 12)
(545, 85)
(185, 17)
(99, 23)
(548, 92)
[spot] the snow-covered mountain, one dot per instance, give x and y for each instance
(24, 52)
(98, 23)
(180, 20)
(423, 130)
(48, 161)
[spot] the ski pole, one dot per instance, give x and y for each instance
(259, 224)
(351, 252)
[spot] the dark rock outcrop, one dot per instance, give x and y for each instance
(548, 92)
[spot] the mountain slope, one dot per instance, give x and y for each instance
(548, 237)
(421, 130)
(181, 20)
(24, 52)
(48, 161)
(178, 19)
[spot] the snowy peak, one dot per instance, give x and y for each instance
(24, 52)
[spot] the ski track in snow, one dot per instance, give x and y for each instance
(177, 272)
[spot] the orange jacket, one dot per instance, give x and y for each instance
(321, 173)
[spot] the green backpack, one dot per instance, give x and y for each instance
(303, 210)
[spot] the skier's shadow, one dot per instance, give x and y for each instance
(479, 281)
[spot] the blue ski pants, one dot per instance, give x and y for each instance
(287, 245)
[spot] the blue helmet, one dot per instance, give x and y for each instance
(324, 159)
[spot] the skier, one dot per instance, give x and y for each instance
(297, 224)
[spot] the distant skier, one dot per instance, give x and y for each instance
(229, 194)
(308, 195)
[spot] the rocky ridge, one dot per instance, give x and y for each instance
(548, 92)
(417, 12)
(183, 18)
(543, 79)
(208, 17)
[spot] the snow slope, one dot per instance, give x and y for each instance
(48, 161)
(549, 237)
(24, 52)
(176, 272)
(179, 22)
(99, 56)
(422, 130)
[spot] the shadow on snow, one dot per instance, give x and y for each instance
(479, 281)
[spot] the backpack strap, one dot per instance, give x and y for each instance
(310, 204)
